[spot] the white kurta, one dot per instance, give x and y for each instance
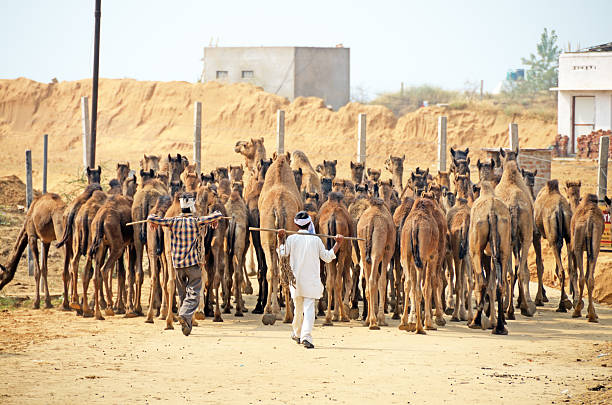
(304, 254)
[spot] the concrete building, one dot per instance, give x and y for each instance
(287, 71)
(585, 92)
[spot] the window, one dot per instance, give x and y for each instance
(247, 74)
(221, 74)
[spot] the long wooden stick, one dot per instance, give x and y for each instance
(311, 234)
(146, 220)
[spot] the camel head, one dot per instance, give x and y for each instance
(236, 172)
(123, 170)
(93, 175)
(462, 185)
(149, 162)
(326, 185)
(238, 186)
(221, 173)
(361, 190)
(146, 175)
(436, 190)
(328, 168)
(530, 177)
(114, 187)
(175, 167)
(486, 170)
(163, 177)
(460, 161)
(245, 148)
(508, 155)
(373, 174)
(207, 178)
(337, 185)
(476, 190)
(192, 181)
(448, 197)
(572, 189)
(262, 168)
(335, 197)
(175, 188)
(357, 171)
(297, 175)
(395, 164)
(311, 198)
(130, 185)
(443, 179)
(418, 181)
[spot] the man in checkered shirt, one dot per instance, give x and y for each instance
(185, 250)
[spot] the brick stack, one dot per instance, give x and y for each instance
(559, 148)
(588, 145)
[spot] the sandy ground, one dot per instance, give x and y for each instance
(49, 356)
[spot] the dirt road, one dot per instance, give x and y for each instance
(48, 356)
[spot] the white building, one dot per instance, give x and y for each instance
(585, 92)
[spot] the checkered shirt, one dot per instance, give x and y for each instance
(184, 240)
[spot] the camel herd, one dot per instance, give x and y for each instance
(432, 246)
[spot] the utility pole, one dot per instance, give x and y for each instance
(94, 95)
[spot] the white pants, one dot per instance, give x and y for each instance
(303, 318)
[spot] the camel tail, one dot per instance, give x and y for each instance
(331, 230)
(561, 231)
(67, 228)
(8, 272)
(494, 242)
(589, 240)
(414, 246)
(231, 237)
(159, 241)
(145, 215)
(84, 236)
(97, 240)
(514, 222)
(368, 243)
(463, 243)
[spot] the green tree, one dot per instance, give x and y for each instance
(543, 66)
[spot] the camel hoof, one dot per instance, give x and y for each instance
(502, 331)
(354, 313)
(149, 320)
(454, 319)
(199, 315)
(109, 312)
(593, 319)
(227, 310)
(577, 314)
(374, 327)
(539, 302)
(48, 304)
(328, 322)
(88, 314)
(345, 319)
(449, 311)
(131, 314)
(169, 327)
(440, 321)
(257, 310)
(395, 316)
(430, 327)
(217, 318)
(561, 308)
(99, 317)
(36, 305)
(75, 306)
(421, 332)
(248, 290)
(120, 311)
(568, 304)
(473, 325)
(268, 319)
(529, 311)
(288, 320)
(103, 304)
(64, 308)
(239, 314)
(510, 316)
(403, 327)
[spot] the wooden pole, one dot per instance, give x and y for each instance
(280, 132)
(602, 177)
(361, 138)
(481, 86)
(442, 144)
(307, 234)
(94, 94)
(513, 136)
(146, 220)
(45, 150)
(197, 136)
(86, 128)
(29, 197)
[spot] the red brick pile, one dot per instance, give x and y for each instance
(588, 145)
(559, 148)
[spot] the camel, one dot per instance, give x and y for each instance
(237, 243)
(490, 247)
(399, 218)
(207, 178)
(82, 237)
(529, 178)
(420, 256)
(389, 195)
(110, 234)
(191, 180)
(458, 220)
(357, 170)
(157, 260)
(123, 171)
(572, 189)
(278, 203)
(238, 186)
(310, 181)
(326, 187)
(448, 199)
(395, 165)
(114, 187)
(311, 204)
(297, 175)
(486, 172)
(334, 219)
(71, 211)
(553, 220)
(513, 191)
(130, 186)
(163, 177)
(587, 226)
(463, 188)
(174, 166)
(460, 162)
(346, 187)
(43, 222)
(150, 162)
(356, 209)
(443, 179)
(373, 175)
(376, 227)
(93, 175)
(417, 183)
(252, 150)
(327, 168)
(236, 173)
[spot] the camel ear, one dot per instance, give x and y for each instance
(261, 140)
(369, 171)
(467, 150)
(145, 156)
(88, 170)
(579, 183)
(352, 165)
(468, 163)
(366, 187)
(492, 163)
(478, 164)
(335, 161)
(522, 172)
(607, 200)
(118, 164)
(316, 196)
(300, 171)
(412, 176)
(452, 151)
(142, 173)
(288, 154)
(502, 152)
(427, 172)
(403, 157)
(274, 156)
(319, 168)
(535, 173)
(390, 182)
(241, 168)
(169, 157)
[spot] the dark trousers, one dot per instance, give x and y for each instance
(189, 285)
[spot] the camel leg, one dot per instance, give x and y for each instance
(170, 289)
(382, 293)
(246, 281)
(397, 285)
(329, 284)
(590, 280)
(120, 286)
(33, 243)
(404, 321)
(216, 286)
(45, 254)
(238, 281)
(338, 287)
(579, 263)
(418, 300)
(458, 288)
(528, 307)
(162, 271)
(66, 279)
(98, 284)
(346, 281)
(437, 279)
(468, 284)
(134, 277)
(541, 294)
(450, 285)
(288, 306)
(227, 278)
(354, 298)
(87, 274)
(373, 298)
(476, 321)
(512, 275)
(74, 273)
(106, 273)
(429, 269)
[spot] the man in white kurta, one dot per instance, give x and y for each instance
(305, 253)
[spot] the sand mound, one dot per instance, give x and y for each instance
(12, 191)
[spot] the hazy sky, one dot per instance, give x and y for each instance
(444, 43)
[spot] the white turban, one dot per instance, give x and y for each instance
(304, 222)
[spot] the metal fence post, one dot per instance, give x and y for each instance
(280, 132)
(442, 144)
(361, 138)
(197, 136)
(602, 173)
(29, 197)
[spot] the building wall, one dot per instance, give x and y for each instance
(273, 67)
(585, 71)
(603, 110)
(324, 73)
(530, 159)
